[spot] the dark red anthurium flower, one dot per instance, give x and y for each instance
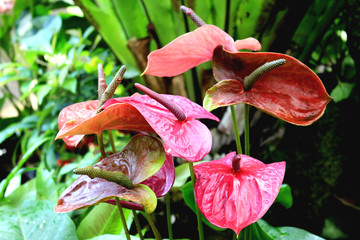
(189, 139)
(138, 161)
(291, 92)
(237, 190)
(192, 49)
(161, 183)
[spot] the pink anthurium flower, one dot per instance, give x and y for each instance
(192, 49)
(189, 139)
(138, 161)
(161, 183)
(237, 190)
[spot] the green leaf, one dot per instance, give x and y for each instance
(188, 194)
(102, 219)
(27, 191)
(45, 184)
(288, 233)
(35, 220)
(342, 91)
(285, 197)
(254, 232)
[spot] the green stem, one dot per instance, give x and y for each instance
(122, 217)
(198, 213)
(153, 227)
(111, 141)
(137, 224)
(247, 129)
(168, 215)
(101, 145)
(236, 130)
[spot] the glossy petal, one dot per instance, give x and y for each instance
(235, 199)
(188, 51)
(79, 119)
(291, 92)
(160, 183)
(190, 139)
(139, 160)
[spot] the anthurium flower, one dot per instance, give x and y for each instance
(138, 161)
(160, 183)
(291, 92)
(192, 49)
(79, 119)
(237, 190)
(189, 139)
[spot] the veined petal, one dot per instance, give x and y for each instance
(190, 139)
(235, 199)
(188, 51)
(81, 119)
(139, 160)
(291, 92)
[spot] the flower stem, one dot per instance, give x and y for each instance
(101, 145)
(247, 129)
(168, 215)
(111, 138)
(153, 227)
(236, 130)
(198, 213)
(122, 217)
(137, 224)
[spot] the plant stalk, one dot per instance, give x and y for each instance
(198, 213)
(111, 138)
(101, 145)
(236, 130)
(247, 129)
(122, 217)
(168, 215)
(137, 224)
(153, 227)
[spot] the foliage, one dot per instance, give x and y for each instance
(51, 50)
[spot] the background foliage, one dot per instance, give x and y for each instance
(50, 50)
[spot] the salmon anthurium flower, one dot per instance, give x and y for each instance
(237, 190)
(189, 139)
(192, 49)
(138, 161)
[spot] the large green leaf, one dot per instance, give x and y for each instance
(35, 220)
(102, 219)
(103, 17)
(288, 233)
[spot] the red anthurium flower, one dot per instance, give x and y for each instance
(237, 190)
(291, 92)
(189, 139)
(161, 183)
(192, 49)
(138, 161)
